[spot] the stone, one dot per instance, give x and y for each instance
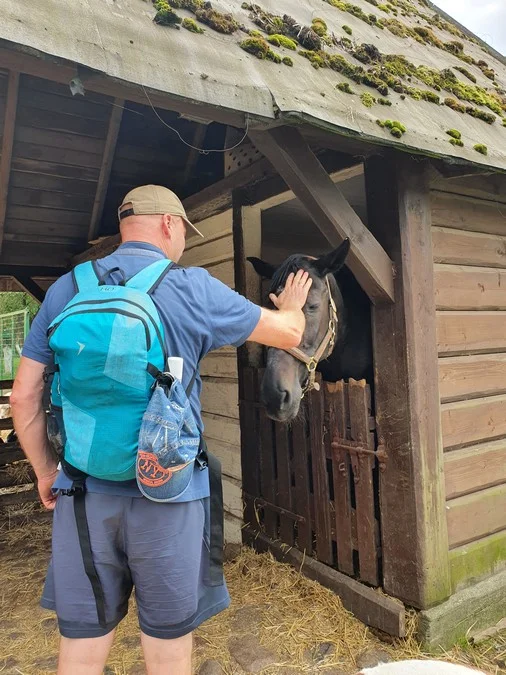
(372, 657)
(250, 654)
(245, 619)
(231, 552)
(211, 667)
(319, 652)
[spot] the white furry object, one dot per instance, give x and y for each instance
(420, 668)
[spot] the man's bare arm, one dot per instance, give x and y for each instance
(284, 327)
(30, 426)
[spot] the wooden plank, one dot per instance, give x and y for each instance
(10, 452)
(229, 456)
(491, 187)
(216, 364)
(467, 213)
(321, 497)
(250, 445)
(7, 146)
(413, 524)
(42, 238)
(472, 376)
(59, 121)
(220, 396)
(48, 217)
(36, 181)
(213, 252)
(460, 287)
(302, 494)
(232, 497)
(63, 103)
(481, 558)
(476, 515)
(475, 468)
(290, 154)
(105, 169)
(193, 154)
(466, 422)
(284, 483)
(59, 139)
(39, 167)
(373, 608)
(471, 332)
(6, 424)
(268, 472)
(223, 429)
(56, 155)
(364, 488)
(53, 200)
(20, 497)
(224, 272)
(335, 400)
(31, 255)
(457, 247)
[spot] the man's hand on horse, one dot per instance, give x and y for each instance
(294, 294)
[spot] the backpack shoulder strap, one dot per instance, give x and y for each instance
(85, 277)
(149, 278)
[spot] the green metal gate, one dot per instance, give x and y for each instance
(14, 328)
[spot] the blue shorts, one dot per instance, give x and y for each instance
(160, 549)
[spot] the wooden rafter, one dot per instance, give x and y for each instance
(31, 287)
(193, 155)
(7, 143)
(105, 169)
(290, 154)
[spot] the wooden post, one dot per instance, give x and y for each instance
(413, 518)
(297, 164)
(105, 169)
(7, 143)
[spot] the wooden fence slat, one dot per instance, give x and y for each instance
(320, 478)
(364, 488)
(284, 500)
(335, 395)
(250, 444)
(268, 470)
(302, 492)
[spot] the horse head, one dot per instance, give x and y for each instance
(289, 374)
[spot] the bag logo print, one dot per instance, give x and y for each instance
(81, 347)
(150, 473)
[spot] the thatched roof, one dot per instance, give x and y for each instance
(446, 79)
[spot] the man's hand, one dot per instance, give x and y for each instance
(294, 295)
(47, 497)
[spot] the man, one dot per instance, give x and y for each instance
(160, 548)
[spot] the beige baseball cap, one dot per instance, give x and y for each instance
(154, 200)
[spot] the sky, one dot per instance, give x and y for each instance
(485, 18)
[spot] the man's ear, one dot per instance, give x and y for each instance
(262, 268)
(332, 262)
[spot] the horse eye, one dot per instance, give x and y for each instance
(313, 308)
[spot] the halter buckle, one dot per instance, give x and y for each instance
(312, 365)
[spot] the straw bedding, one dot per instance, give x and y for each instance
(302, 625)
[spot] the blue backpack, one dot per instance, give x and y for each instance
(109, 347)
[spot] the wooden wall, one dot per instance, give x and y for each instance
(220, 392)
(469, 245)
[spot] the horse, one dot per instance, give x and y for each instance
(337, 339)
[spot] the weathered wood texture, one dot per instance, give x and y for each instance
(469, 238)
(414, 534)
(291, 155)
(9, 122)
(371, 607)
(311, 485)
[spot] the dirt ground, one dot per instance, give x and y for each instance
(279, 623)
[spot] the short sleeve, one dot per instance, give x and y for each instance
(36, 344)
(230, 316)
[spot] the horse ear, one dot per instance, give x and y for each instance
(332, 262)
(262, 268)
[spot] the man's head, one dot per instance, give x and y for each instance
(154, 214)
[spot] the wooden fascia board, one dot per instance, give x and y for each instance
(105, 169)
(7, 144)
(292, 157)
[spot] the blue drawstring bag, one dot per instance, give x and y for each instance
(169, 442)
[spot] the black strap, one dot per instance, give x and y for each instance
(204, 459)
(102, 276)
(83, 533)
(162, 277)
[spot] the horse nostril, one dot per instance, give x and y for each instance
(285, 397)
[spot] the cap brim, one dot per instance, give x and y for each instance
(193, 230)
(160, 484)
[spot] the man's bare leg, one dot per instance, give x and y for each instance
(168, 657)
(84, 656)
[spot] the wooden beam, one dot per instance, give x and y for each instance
(412, 501)
(371, 607)
(291, 155)
(7, 143)
(105, 169)
(193, 155)
(31, 287)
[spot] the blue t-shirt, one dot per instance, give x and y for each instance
(199, 314)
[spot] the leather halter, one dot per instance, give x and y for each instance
(324, 350)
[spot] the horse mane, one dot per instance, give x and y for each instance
(291, 265)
